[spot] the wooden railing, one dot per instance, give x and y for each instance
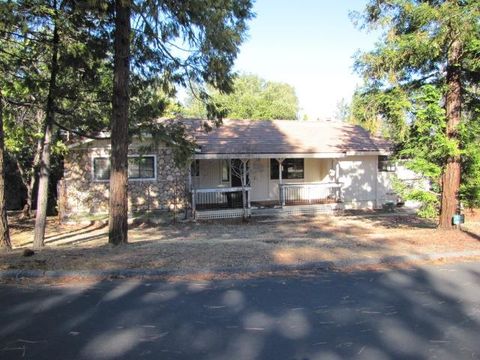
(309, 193)
(219, 198)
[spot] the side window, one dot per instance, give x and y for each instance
(141, 167)
(101, 168)
(385, 164)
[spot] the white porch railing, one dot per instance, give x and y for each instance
(309, 193)
(220, 198)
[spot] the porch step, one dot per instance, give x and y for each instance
(219, 214)
(299, 210)
(258, 212)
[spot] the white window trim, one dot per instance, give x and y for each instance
(154, 178)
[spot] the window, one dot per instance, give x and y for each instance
(101, 168)
(225, 170)
(141, 167)
(385, 164)
(291, 169)
(195, 168)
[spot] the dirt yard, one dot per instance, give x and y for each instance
(208, 246)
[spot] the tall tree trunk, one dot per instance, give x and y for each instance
(118, 216)
(30, 181)
(5, 243)
(453, 105)
(28, 178)
(44, 173)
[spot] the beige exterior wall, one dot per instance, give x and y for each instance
(263, 188)
(359, 177)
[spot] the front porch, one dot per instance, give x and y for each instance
(226, 188)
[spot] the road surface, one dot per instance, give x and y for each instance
(422, 313)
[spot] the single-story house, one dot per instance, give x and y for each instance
(281, 165)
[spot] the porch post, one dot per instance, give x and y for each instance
(245, 197)
(193, 203)
(190, 175)
(190, 187)
(337, 176)
(280, 182)
(244, 172)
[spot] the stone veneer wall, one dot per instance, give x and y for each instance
(83, 195)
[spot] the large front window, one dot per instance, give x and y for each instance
(291, 169)
(139, 167)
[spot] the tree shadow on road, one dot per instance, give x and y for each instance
(413, 313)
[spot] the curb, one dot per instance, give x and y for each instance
(313, 266)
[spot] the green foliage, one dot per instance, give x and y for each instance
(173, 43)
(252, 98)
(381, 112)
(470, 186)
(428, 199)
(406, 87)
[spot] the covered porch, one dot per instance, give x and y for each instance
(225, 187)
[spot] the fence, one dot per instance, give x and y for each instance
(219, 198)
(309, 193)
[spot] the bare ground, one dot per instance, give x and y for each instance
(207, 246)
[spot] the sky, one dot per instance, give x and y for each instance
(308, 44)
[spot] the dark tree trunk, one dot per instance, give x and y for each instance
(5, 243)
(118, 226)
(453, 105)
(44, 173)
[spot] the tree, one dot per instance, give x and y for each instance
(44, 170)
(425, 43)
(174, 43)
(241, 169)
(118, 226)
(55, 60)
(252, 98)
(342, 111)
(382, 112)
(4, 233)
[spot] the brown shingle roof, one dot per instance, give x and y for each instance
(284, 137)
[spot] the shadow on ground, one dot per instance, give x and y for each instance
(422, 313)
(212, 246)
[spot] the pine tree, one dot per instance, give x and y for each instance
(428, 43)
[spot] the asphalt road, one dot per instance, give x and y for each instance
(424, 313)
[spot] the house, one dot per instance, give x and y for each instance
(281, 165)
